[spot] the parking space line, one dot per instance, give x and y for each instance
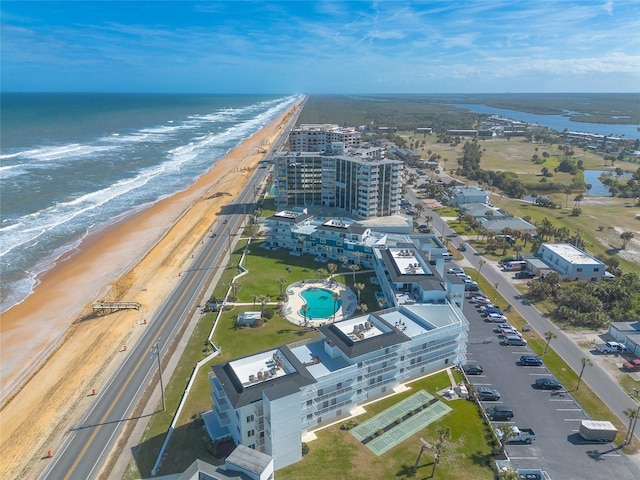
(523, 458)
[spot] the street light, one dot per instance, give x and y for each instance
(155, 350)
(495, 296)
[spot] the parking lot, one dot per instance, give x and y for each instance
(553, 414)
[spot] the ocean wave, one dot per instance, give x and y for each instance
(189, 152)
(59, 152)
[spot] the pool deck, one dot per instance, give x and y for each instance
(295, 302)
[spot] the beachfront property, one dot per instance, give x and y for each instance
(269, 401)
(570, 262)
(349, 242)
(317, 138)
(461, 195)
(361, 182)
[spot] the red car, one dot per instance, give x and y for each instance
(632, 366)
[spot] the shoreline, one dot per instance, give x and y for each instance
(137, 259)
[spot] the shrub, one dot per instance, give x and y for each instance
(305, 448)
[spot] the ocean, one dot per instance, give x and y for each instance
(73, 164)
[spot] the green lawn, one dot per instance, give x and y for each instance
(337, 454)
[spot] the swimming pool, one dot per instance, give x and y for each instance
(320, 302)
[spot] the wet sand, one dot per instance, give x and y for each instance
(53, 352)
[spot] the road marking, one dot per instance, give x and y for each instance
(101, 422)
(568, 409)
(561, 399)
(539, 374)
(523, 458)
(573, 420)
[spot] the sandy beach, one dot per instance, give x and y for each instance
(54, 352)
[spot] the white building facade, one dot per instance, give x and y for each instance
(361, 183)
(317, 138)
(269, 400)
(571, 263)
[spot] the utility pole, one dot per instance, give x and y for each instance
(155, 350)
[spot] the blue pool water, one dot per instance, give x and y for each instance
(320, 302)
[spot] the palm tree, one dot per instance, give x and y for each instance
(234, 286)
(333, 268)
(359, 287)
(363, 308)
(305, 308)
(626, 236)
(424, 445)
(508, 474)
(505, 434)
(443, 435)
(632, 414)
(282, 282)
(336, 297)
(428, 219)
(548, 336)
(481, 262)
(353, 269)
(263, 299)
(322, 272)
(585, 362)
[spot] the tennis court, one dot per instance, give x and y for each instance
(399, 422)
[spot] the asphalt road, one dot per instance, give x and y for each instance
(86, 446)
(560, 450)
(554, 416)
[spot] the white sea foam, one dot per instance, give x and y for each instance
(60, 225)
(62, 152)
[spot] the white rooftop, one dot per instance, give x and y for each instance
(261, 366)
(361, 328)
(407, 261)
(571, 254)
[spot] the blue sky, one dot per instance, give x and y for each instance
(481, 46)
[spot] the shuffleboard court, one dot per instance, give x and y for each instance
(399, 422)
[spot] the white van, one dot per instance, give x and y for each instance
(447, 257)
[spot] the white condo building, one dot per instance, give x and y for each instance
(361, 182)
(270, 400)
(318, 137)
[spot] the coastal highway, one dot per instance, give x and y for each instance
(88, 443)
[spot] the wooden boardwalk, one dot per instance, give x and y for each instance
(103, 308)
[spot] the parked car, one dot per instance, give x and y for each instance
(471, 287)
(473, 369)
(495, 317)
(548, 383)
(487, 393)
(530, 360)
(610, 347)
(632, 366)
(462, 248)
(455, 270)
(509, 331)
(514, 340)
(524, 274)
(521, 435)
(499, 412)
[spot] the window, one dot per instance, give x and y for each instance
(309, 403)
(333, 401)
(251, 433)
(253, 446)
(384, 389)
(250, 419)
(325, 404)
(339, 386)
(579, 269)
(320, 392)
(309, 416)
